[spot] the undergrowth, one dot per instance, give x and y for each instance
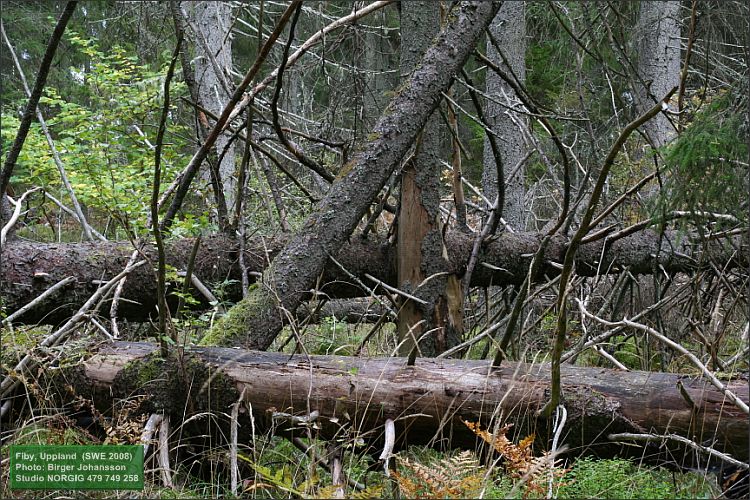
(272, 467)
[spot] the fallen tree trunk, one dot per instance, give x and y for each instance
(28, 269)
(346, 311)
(354, 397)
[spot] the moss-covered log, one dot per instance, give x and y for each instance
(428, 401)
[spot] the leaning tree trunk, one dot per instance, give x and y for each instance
(428, 401)
(435, 324)
(256, 320)
(28, 269)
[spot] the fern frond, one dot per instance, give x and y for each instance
(374, 491)
(463, 463)
(408, 487)
(518, 458)
(328, 491)
(459, 476)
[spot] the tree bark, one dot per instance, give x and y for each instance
(436, 324)
(211, 23)
(28, 269)
(658, 34)
(509, 29)
(428, 401)
(256, 320)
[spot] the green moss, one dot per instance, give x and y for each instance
(619, 478)
(233, 325)
(147, 370)
(348, 166)
(19, 341)
(183, 380)
(47, 433)
(81, 346)
(218, 391)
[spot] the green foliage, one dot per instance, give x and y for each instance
(472, 167)
(706, 167)
(587, 478)
(17, 342)
(620, 478)
(333, 337)
(628, 353)
(108, 162)
(548, 54)
(278, 470)
(546, 77)
(281, 478)
(57, 431)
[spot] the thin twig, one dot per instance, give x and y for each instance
(54, 338)
(15, 215)
(163, 456)
(233, 422)
(118, 294)
(314, 39)
(195, 162)
(148, 431)
(396, 290)
(677, 347)
(41, 298)
(627, 436)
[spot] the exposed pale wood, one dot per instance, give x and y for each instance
(426, 401)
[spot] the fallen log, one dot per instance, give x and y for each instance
(28, 269)
(356, 310)
(354, 396)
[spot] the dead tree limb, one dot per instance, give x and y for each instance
(427, 401)
(28, 269)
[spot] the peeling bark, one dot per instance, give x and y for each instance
(420, 248)
(427, 401)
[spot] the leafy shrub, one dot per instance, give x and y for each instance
(103, 140)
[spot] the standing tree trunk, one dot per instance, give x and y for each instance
(210, 23)
(658, 43)
(376, 61)
(256, 320)
(658, 35)
(421, 250)
(509, 29)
